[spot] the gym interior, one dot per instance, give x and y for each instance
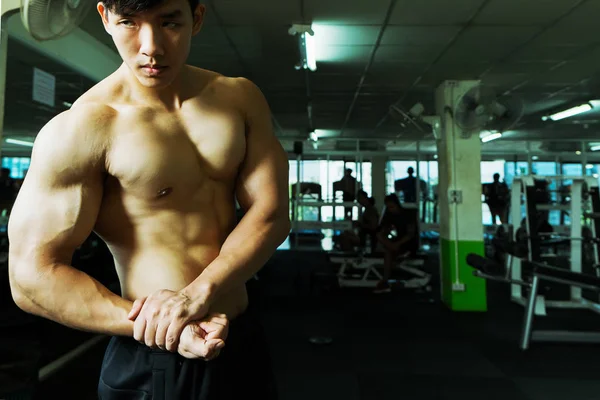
(427, 100)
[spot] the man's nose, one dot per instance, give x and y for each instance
(151, 41)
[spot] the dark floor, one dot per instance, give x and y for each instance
(392, 346)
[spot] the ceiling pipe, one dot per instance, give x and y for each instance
(368, 66)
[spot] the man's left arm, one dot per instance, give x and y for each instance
(262, 190)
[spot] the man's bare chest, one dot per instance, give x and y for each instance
(151, 151)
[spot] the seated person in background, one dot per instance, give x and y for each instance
(398, 235)
(367, 226)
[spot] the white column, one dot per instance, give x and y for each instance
(461, 226)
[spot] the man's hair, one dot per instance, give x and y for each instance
(123, 7)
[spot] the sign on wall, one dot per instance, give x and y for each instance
(43, 87)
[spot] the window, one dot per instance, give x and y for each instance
(547, 168)
(488, 169)
(17, 165)
(512, 169)
(325, 173)
(572, 170)
(398, 170)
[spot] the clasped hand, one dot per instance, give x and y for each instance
(172, 321)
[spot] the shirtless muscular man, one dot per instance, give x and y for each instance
(152, 159)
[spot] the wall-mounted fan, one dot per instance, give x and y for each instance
(48, 19)
(507, 111)
(474, 109)
(479, 109)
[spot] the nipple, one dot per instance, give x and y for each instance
(164, 192)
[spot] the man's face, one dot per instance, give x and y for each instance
(154, 44)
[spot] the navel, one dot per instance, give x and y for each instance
(164, 192)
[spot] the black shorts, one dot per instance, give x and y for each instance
(133, 371)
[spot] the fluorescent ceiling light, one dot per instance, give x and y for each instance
(490, 137)
(311, 51)
(19, 142)
(313, 136)
(595, 147)
(534, 158)
(578, 152)
(483, 134)
(326, 133)
(570, 112)
(589, 166)
(307, 44)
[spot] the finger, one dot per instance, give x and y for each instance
(161, 335)
(220, 334)
(215, 331)
(213, 324)
(150, 334)
(217, 320)
(173, 333)
(213, 347)
(137, 307)
(139, 328)
(188, 355)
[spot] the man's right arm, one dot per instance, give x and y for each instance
(54, 213)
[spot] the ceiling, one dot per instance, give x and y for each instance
(372, 54)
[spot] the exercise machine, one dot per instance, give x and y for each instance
(361, 270)
(490, 270)
(524, 193)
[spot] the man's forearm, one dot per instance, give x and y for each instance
(74, 299)
(246, 250)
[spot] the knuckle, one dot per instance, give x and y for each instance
(154, 311)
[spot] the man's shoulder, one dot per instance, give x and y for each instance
(90, 117)
(80, 130)
(233, 90)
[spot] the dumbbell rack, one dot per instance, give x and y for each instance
(523, 188)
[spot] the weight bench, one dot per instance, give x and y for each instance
(360, 270)
(488, 269)
(357, 269)
(410, 264)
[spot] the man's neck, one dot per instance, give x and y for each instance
(170, 97)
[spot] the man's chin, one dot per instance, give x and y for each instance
(154, 82)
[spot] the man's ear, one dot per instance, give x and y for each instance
(103, 11)
(198, 18)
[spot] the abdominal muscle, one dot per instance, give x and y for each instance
(157, 255)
